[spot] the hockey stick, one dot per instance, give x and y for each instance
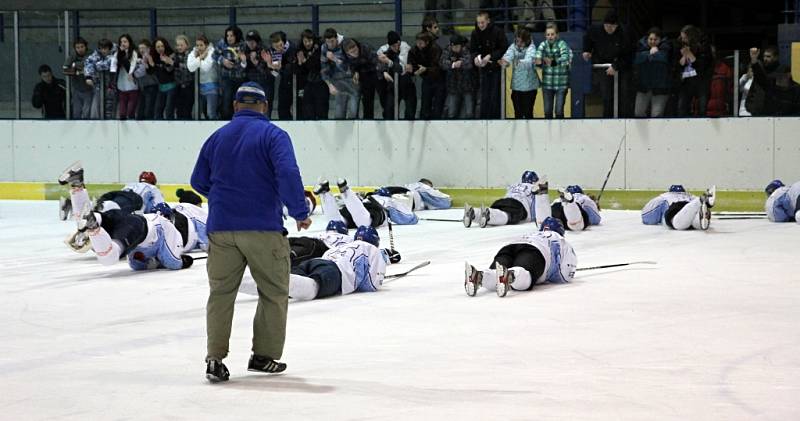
(739, 214)
(740, 217)
(200, 258)
(439, 220)
(644, 262)
(619, 148)
(391, 233)
(402, 274)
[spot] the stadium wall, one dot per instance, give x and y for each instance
(734, 154)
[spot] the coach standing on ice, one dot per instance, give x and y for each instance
(248, 171)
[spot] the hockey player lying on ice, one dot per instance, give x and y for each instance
(541, 256)
(421, 194)
(783, 202)
(367, 212)
(311, 247)
(512, 209)
(357, 266)
(575, 210)
(680, 210)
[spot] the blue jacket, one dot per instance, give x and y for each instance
(247, 170)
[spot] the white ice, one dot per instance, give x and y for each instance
(710, 333)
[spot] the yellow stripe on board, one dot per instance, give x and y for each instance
(22, 191)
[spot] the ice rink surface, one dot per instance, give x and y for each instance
(710, 333)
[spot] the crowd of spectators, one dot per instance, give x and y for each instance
(458, 78)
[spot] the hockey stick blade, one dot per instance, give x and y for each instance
(644, 262)
(402, 274)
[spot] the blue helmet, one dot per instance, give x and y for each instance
(575, 189)
(163, 209)
(677, 188)
(367, 234)
(337, 226)
(383, 191)
(552, 224)
(772, 186)
(529, 177)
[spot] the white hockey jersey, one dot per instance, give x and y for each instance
(523, 193)
(151, 195)
(197, 234)
(361, 264)
(560, 261)
(653, 212)
(781, 205)
(426, 197)
(161, 248)
(333, 239)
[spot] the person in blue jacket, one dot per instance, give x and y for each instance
(248, 171)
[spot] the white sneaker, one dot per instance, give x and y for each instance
(565, 196)
(472, 279)
(469, 215)
(505, 278)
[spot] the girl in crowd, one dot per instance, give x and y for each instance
(184, 79)
(202, 57)
(695, 65)
(164, 59)
(128, 66)
(651, 64)
(147, 81)
(555, 57)
(228, 55)
(312, 92)
(524, 80)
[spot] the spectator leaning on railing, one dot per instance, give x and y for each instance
(184, 79)
(97, 69)
(255, 67)
(281, 59)
(653, 74)
(555, 57)
(425, 59)
(524, 80)
(393, 57)
(312, 92)
(164, 59)
(127, 66)
(227, 54)
(81, 93)
(608, 44)
(782, 94)
(337, 74)
(488, 44)
(50, 94)
(364, 62)
(147, 82)
(202, 58)
(458, 67)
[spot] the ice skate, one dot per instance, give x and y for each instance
(342, 184)
(469, 215)
(710, 196)
(542, 186)
(484, 218)
(323, 187)
(706, 203)
(565, 195)
(64, 208)
(88, 222)
(216, 371)
(73, 175)
(472, 279)
(505, 278)
(78, 242)
(265, 365)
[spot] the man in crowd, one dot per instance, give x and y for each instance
(50, 94)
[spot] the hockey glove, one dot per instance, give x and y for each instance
(394, 256)
(187, 261)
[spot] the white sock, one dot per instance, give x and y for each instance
(302, 288)
(688, 216)
(542, 207)
(497, 217)
(489, 279)
(353, 204)
(574, 216)
(522, 279)
(107, 250)
(80, 200)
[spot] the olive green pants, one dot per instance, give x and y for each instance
(267, 255)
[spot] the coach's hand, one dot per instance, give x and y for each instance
(304, 224)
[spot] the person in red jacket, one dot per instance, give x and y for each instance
(721, 90)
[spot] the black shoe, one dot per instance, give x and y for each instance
(216, 371)
(265, 364)
(342, 183)
(323, 187)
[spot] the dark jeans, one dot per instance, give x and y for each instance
(127, 104)
(184, 101)
(314, 103)
(523, 103)
(433, 97)
(165, 105)
(693, 88)
(554, 102)
(368, 82)
(490, 93)
(407, 92)
(229, 87)
(285, 88)
(606, 84)
(147, 103)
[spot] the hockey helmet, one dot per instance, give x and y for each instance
(383, 191)
(164, 210)
(529, 177)
(772, 186)
(148, 177)
(552, 224)
(575, 189)
(367, 234)
(338, 226)
(677, 188)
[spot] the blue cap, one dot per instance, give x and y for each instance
(250, 93)
(677, 188)
(772, 186)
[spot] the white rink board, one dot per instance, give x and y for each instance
(450, 153)
(567, 151)
(787, 149)
(6, 150)
(168, 148)
(734, 154)
(326, 149)
(42, 149)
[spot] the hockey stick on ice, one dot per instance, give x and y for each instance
(740, 217)
(644, 262)
(440, 220)
(402, 274)
(619, 148)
